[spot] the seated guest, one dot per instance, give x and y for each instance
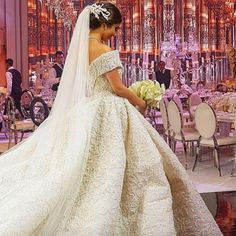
(200, 86)
(221, 88)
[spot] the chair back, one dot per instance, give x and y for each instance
(235, 121)
(25, 101)
(165, 99)
(10, 112)
(178, 102)
(194, 99)
(164, 115)
(205, 120)
(38, 110)
(175, 118)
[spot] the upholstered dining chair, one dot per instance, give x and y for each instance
(15, 125)
(193, 101)
(25, 101)
(179, 132)
(234, 160)
(165, 120)
(206, 125)
(39, 110)
(185, 114)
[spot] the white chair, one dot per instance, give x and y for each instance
(16, 126)
(206, 124)
(193, 101)
(179, 132)
(234, 161)
(165, 120)
(178, 102)
(25, 101)
(38, 110)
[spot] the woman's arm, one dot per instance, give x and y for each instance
(121, 90)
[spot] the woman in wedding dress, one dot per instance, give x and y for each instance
(96, 166)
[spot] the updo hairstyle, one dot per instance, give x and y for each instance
(114, 18)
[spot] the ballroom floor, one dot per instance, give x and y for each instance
(222, 205)
(205, 177)
(219, 193)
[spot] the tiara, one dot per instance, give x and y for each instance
(99, 10)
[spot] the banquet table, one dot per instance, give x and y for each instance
(227, 117)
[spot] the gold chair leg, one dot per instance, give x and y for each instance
(218, 160)
(215, 158)
(9, 140)
(185, 155)
(234, 163)
(15, 137)
(22, 135)
(196, 156)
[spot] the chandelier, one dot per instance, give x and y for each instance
(221, 8)
(64, 10)
(125, 4)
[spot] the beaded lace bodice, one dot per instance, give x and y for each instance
(97, 69)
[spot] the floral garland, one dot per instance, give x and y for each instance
(232, 61)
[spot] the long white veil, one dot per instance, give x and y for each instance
(74, 82)
(40, 177)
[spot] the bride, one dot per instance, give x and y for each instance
(96, 166)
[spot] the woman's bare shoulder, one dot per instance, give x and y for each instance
(97, 51)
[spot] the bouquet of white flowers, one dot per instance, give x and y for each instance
(150, 91)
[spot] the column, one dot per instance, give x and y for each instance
(168, 19)
(2, 42)
(32, 29)
(60, 35)
(221, 35)
(137, 27)
(149, 26)
(17, 36)
(179, 13)
(203, 27)
(128, 30)
(212, 33)
(189, 20)
(44, 28)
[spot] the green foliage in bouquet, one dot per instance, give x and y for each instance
(150, 91)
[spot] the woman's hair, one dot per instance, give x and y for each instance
(114, 18)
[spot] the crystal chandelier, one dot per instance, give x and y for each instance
(214, 5)
(221, 8)
(64, 10)
(125, 4)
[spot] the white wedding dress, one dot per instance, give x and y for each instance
(106, 172)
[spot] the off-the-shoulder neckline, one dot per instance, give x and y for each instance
(101, 56)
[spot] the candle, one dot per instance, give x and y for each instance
(138, 60)
(41, 61)
(203, 60)
(51, 59)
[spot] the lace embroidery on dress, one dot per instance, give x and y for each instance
(101, 65)
(113, 171)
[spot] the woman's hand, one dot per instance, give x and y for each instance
(142, 107)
